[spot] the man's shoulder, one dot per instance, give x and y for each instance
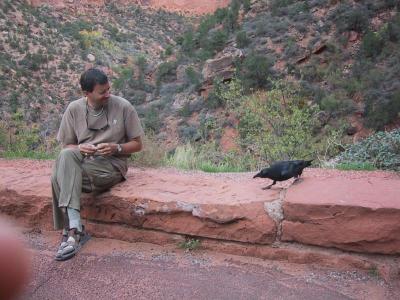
(76, 104)
(120, 102)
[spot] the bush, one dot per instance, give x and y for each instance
(139, 98)
(152, 120)
(220, 14)
(393, 29)
(34, 61)
(372, 44)
(193, 77)
(336, 104)
(217, 41)
(167, 71)
(188, 42)
(255, 70)
(24, 141)
(231, 19)
(125, 76)
(242, 40)
(207, 158)
(152, 155)
(278, 5)
(278, 124)
(380, 112)
(348, 17)
(214, 99)
(73, 29)
(188, 133)
(141, 63)
(381, 150)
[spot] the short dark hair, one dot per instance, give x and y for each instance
(91, 77)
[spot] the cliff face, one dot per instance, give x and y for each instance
(184, 6)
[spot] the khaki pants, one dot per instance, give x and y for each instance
(74, 174)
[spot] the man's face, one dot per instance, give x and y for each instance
(100, 94)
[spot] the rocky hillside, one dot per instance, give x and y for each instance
(44, 50)
(182, 6)
(183, 73)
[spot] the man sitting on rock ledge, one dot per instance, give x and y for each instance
(98, 133)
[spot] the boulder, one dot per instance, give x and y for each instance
(163, 200)
(356, 213)
(222, 66)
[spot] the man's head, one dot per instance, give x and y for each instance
(95, 85)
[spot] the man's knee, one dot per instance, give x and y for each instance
(69, 155)
(69, 152)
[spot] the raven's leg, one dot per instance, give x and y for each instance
(268, 187)
(297, 179)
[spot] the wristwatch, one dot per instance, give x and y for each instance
(119, 148)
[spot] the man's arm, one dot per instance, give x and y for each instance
(86, 149)
(135, 145)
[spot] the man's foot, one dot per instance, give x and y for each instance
(71, 243)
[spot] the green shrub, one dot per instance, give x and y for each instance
(278, 5)
(242, 40)
(208, 158)
(193, 77)
(169, 50)
(220, 14)
(255, 70)
(152, 155)
(348, 17)
(167, 71)
(217, 41)
(278, 124)
(24, 141)
(393, 29)
(188, 41)
(34, 61)
(246, 5)
(381, 150)
(380, 112)
(204, 54)
(231, 19)
(336, 105)
(187, 133)
(139, 98)
(214, 99)
(190, 244)
(73, 29)
(372, 44)
(152, 120)
(359, 166)
(125, 75)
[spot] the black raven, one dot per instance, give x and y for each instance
(283, 170)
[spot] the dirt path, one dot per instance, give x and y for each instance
(111, 269)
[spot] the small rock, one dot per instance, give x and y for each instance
(91, 57)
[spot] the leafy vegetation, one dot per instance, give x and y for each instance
(381, 151)
(190, 244)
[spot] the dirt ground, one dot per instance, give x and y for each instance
(111, 269)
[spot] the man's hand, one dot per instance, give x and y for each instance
(106, 149)
(87, 149)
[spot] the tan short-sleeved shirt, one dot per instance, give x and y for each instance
(119, 114)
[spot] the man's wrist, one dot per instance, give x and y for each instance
(119, 149)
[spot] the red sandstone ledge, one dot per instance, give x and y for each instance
(356, 211)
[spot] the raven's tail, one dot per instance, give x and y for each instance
(308, 162)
